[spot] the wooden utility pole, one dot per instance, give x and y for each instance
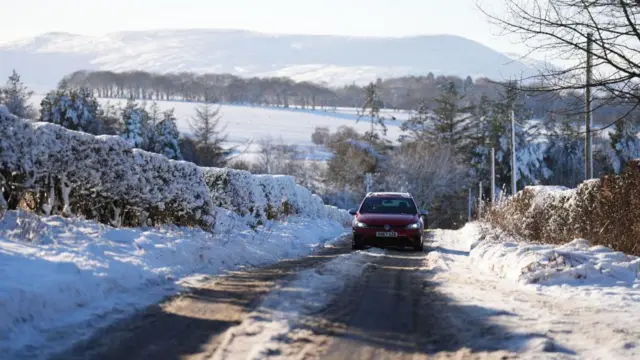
(514, 169)
(480, 200)
(588, 158)
(493, 176)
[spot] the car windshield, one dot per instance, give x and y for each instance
(379, 205)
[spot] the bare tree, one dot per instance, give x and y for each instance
(276, 157)
(426, 171)
(560, 28)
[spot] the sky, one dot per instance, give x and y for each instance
(337, 17)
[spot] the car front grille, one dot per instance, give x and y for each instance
(382, 227)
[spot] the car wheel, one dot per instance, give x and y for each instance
(419, 247)
(356, 243)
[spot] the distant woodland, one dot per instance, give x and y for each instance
(403, 93)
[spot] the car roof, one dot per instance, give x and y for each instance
(389, 194)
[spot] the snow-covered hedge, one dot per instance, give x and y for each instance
(236, 190)
(606, 211)
(99, 177)
(54, 170)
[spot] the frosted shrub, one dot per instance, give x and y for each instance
(606, 211)
(236, 190)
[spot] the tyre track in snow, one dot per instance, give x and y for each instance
(191, 325)
(395, 312)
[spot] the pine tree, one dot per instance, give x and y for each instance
(208, 138)
(452, 119)
(167, 136)
(153, 116)
(134, 127)
(468, 84)
(109, 121)
(624, 142)
(71, 108)
(564, 155)
(371, 108)
(531, 167)
(15, 96)
(481, 142)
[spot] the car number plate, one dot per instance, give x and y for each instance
(386, 234)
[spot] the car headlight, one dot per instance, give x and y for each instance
(358, 224)
(413, 226)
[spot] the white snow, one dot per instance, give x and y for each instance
(60, 278)
(572, 301)
(249, 124)
(276, 320)
(575, 263)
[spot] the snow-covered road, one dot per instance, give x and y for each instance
(337, 304)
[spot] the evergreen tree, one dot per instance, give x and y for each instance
(371, 108)
(133, 117)
(109, 121)
(494, 131)
(624, 141)
(153, 116)
(564, 155)
(15, 96)
(481, 140)
(167, 136)
(75, 109)
(468, 84)
(208, 137)
(452, 119)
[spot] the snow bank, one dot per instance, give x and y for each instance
(72, 274)
(543, 308)
(574, 263)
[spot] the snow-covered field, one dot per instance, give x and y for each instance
(62, 277)
(574, 301)
(250, 124)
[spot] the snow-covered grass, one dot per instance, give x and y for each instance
(571, 301)
(251, 123)
(61, 278)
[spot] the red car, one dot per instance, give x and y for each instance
(388, 219)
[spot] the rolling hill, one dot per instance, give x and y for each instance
(336, 60)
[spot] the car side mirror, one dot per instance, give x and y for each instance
(424, 213)
(353, 211)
